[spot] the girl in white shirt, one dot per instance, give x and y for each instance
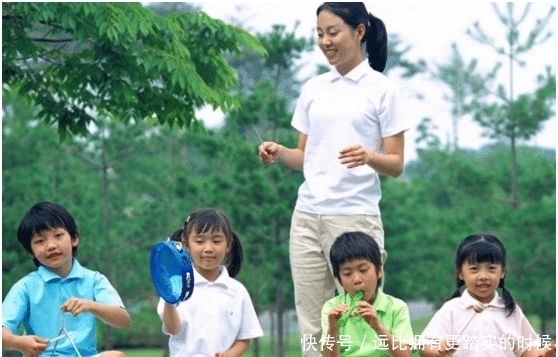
(480, 322)
(218, 320)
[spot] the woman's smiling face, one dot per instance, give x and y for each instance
(340, 43)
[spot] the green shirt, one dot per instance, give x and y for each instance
(358, 339)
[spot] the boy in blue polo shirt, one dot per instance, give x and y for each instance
(60, 294)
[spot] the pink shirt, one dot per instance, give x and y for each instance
(490, 333)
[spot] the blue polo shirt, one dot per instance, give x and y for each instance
(35, 301)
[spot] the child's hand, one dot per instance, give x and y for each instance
(549, 350)
(32, 346)
(447, 348)
(76, 306)
(335, 314)
(369, 314)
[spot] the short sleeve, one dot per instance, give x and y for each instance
(15, 306)
(105, 293)
(401, 328)
(299, 120)
(438, 327)
(250, 325)
(392, 113)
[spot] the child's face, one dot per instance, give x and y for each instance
(53, 249)
(481, 279)
(360, 274)
(207, 250)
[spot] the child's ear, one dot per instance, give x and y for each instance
(75, 241)
(30, 255)
(380, 272)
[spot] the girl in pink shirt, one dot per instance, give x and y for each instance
(479, 322)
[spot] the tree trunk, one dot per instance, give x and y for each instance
(280, 307)
(279, 303)
(272, 333)
(106, 227)
(514, 193)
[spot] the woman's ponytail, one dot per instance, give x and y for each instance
(376, 43)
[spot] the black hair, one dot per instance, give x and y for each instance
(43, 216)
(354, 14)
(207, 219)
(482, 248)
(354, 245)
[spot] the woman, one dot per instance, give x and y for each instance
(351, 129)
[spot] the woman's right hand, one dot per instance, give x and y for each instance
(268, 152)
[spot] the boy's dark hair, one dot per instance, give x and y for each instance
(354, 245)
(482, 248)
(207, 219)
(43, 216)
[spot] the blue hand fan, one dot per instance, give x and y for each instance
(172, 272)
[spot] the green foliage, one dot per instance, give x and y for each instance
(145, 330)
(397, 58)
(76, 61)
(446, 196)
(503, 116)
(129, 183)
(465, 86)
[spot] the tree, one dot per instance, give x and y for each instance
(465, 86)
(448, 195)
(272, 190)
(397, 51)
(76, 61)
(502, 119)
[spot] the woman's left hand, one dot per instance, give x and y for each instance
(354, 156)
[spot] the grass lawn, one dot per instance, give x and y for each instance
(147, 352)
(292, 348)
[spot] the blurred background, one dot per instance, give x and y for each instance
(134, 115)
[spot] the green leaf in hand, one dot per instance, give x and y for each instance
(353, 300)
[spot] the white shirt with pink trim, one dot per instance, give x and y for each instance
(490, 333)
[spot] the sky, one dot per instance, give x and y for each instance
(429, 28)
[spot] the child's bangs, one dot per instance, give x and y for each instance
(38, 224)
(210, 221)
(482, 252)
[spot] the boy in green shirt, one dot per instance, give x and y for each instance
(364, 321)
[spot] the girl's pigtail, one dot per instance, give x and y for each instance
(177, 235)
(509, 302)
(376, 43)
(457, 292)
(235, 256)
